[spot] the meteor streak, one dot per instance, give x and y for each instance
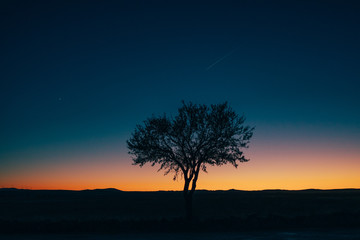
(220, 59)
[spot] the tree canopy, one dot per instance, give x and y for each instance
(197, 137)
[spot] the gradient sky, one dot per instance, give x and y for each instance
(77, 76)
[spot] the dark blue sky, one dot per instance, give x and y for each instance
(79, 75)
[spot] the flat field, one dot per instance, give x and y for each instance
(113, 214)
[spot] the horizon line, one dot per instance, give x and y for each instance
(217, 190)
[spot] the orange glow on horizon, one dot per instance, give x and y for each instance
(276, 167)
(291, 170)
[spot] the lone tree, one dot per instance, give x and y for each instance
(185, 144)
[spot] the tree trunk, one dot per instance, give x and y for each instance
(188, 200)
(188, 195)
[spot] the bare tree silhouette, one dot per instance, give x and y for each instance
(198, 136)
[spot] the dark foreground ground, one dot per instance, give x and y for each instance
(273, 235)
(112, 214)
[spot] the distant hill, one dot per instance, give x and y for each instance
(200, 190)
